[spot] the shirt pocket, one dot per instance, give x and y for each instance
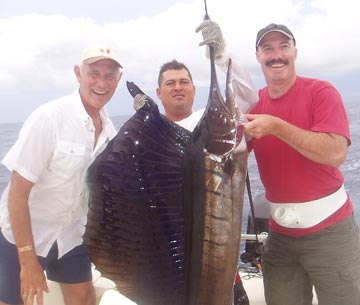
(68, 158)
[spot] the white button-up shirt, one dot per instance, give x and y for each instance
(54, 150)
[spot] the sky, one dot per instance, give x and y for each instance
(42, 40)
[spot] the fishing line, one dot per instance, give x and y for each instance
(252, 208)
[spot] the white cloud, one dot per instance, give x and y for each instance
(39, 51)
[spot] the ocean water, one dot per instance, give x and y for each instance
(350, 169)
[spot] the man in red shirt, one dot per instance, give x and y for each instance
(300, 135)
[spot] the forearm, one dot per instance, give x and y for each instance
(19, 210)
(246, 95)
(20, 224)
(32, 277)
(325, 148)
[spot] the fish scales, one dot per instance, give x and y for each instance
(134, 233)
(214, 183)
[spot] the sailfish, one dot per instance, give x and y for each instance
(165, 205)
(215, 174)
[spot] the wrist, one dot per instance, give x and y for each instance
(220, 52)
(25, 249)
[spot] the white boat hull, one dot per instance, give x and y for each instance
(106, 293)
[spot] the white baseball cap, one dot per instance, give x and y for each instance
(95, 53)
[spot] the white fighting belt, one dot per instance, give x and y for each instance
(307, 214)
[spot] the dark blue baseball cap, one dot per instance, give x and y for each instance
(273, 27)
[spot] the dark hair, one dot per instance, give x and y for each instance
(172, 65)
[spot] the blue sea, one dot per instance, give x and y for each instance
(351, 168)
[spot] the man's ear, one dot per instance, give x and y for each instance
(257, 56)
(158, 92)
(77, 72)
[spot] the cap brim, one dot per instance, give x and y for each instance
(95, 59)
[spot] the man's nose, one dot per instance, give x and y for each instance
(178, 85)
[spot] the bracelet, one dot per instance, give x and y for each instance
(25, 248)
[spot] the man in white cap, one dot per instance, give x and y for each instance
(300, 136)
(43, 209)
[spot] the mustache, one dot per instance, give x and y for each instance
(277, 61)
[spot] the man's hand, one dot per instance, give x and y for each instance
(32, 278)
(260, 125)
(213, 37)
